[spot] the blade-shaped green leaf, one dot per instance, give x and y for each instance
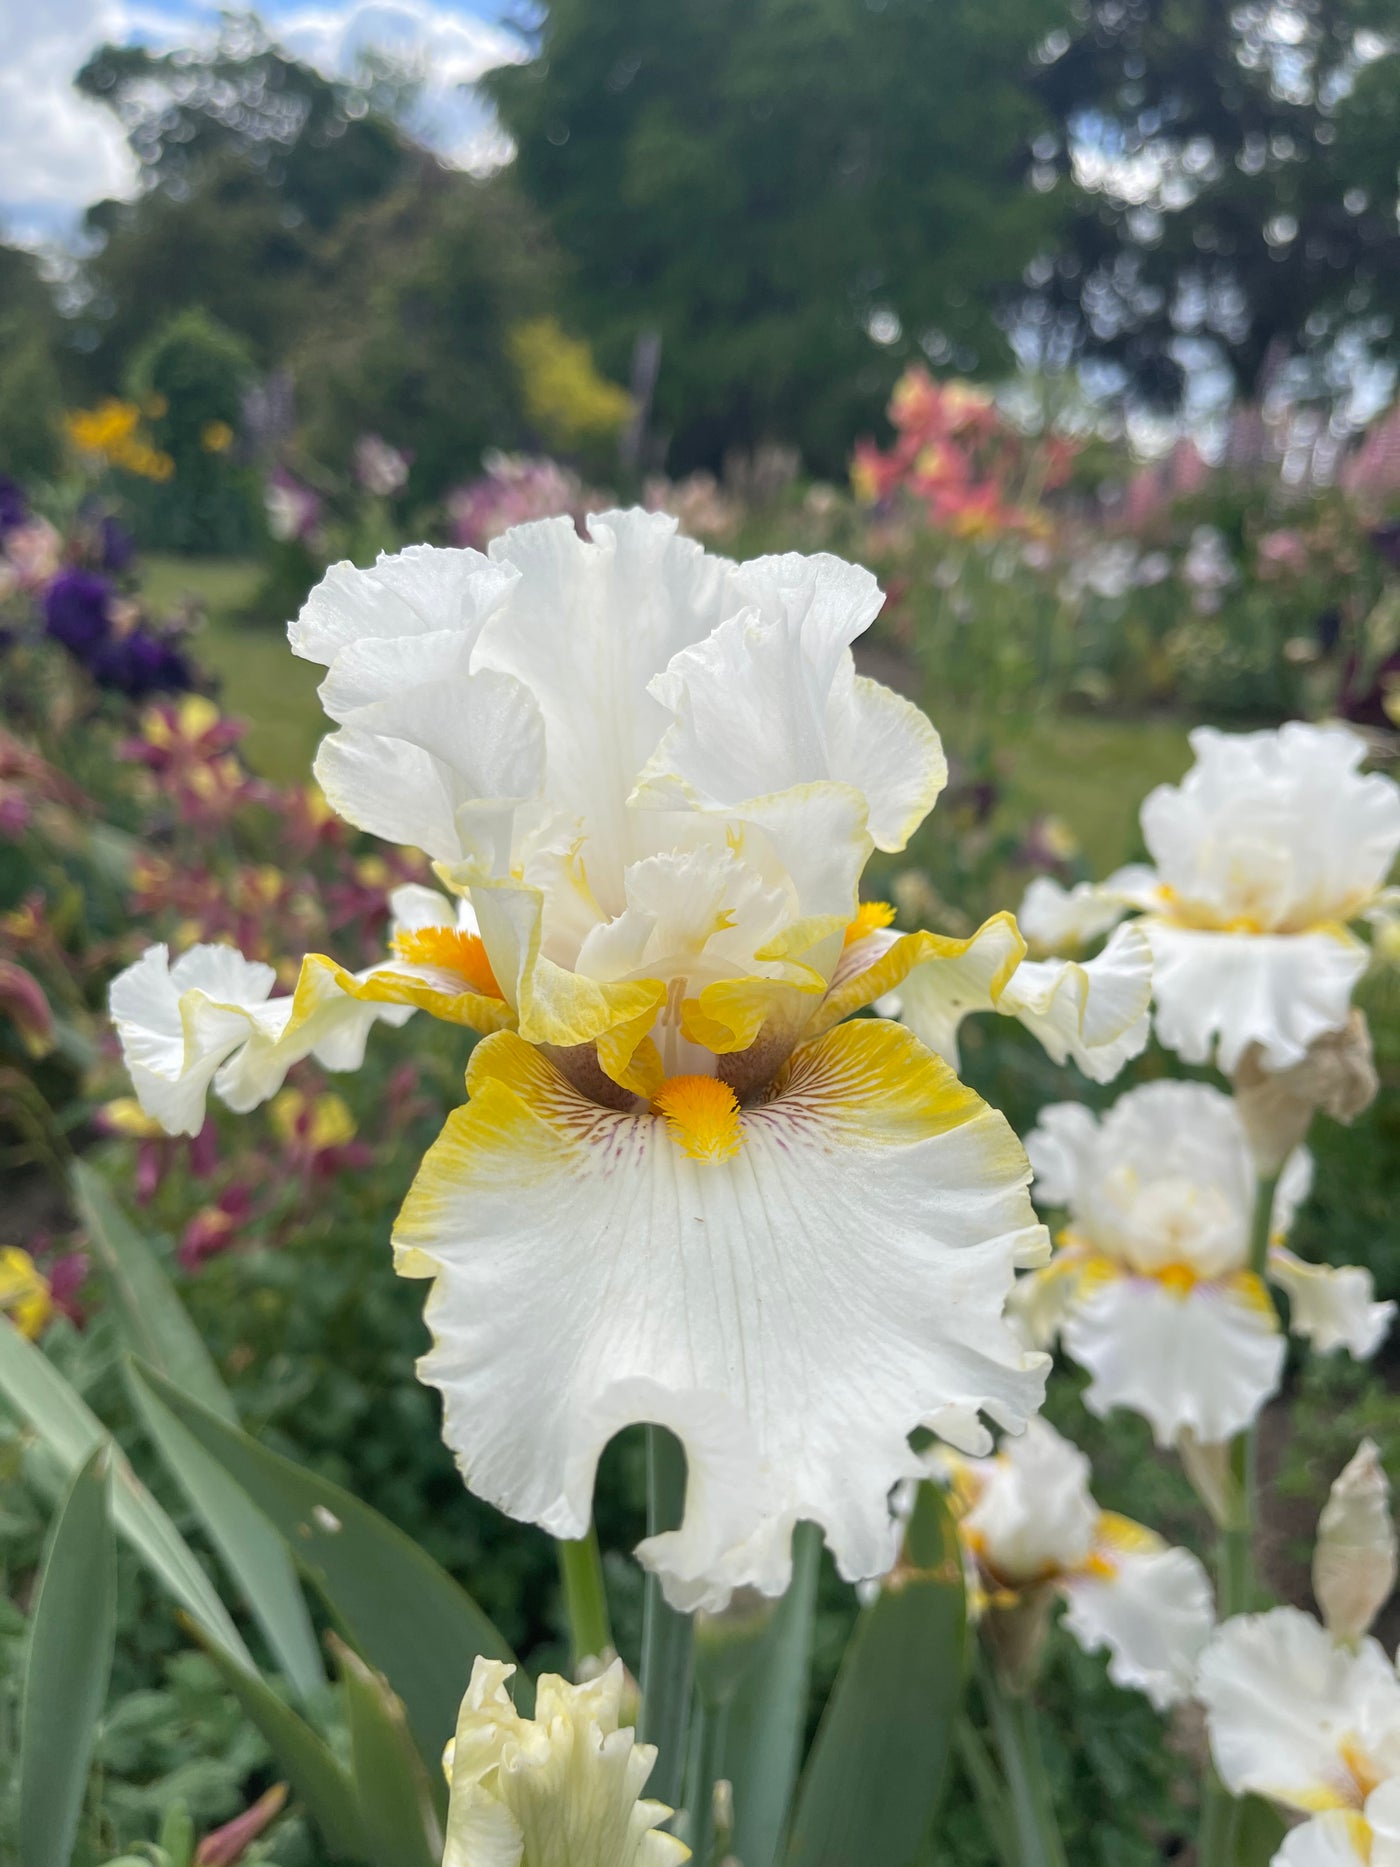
(254, 1552)
(154, 1322)
(326, 1789)
(35, 1389)
(156, 1326)
(396, 1804)
(1259, 1833)
(400, 1611)
(875, 1775)
(763, 1738)
(69, 1663)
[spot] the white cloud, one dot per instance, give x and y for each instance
(59, 152)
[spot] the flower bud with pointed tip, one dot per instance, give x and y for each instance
(1337, 1077)
(1354, 1563)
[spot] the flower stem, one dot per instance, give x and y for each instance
(1234, 1572)
(710, 1723)
(585, 1598)
(1018, 1745)
(667, 1637)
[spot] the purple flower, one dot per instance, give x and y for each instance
(118, 547)
(141, 663)
(77, 611)
(14, 509)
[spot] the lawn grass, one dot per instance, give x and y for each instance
(260, 679)
(1091, 772)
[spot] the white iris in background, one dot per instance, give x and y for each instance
(1309, 1716)
(1028, 1524)
(1150, 1289)
(1272, 844)
(681, 1189)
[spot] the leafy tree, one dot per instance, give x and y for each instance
(31, 390)
(1239, 187)
(797, 195)
(409, 334)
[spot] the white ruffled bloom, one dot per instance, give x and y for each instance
(1312, 1725)
(1029, 1523)
(561, 1789)
(1354, 1560)
(1150, 1288)
(681, 1189)
(1272, 844)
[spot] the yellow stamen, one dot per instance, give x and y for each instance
(702, 1114)
(1178, 1280)
(450, 949)
(870, 917)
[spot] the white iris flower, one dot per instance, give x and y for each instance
(1264, 854)
(682, 1190)
(1029, 1524)
(1150, 1288)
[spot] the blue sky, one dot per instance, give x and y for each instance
(58, 152)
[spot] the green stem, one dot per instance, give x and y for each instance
(1234, 1570)
(710, 1724)
(1018, 1744)
(667, 1637)
(988, 1789)
(585, 1598)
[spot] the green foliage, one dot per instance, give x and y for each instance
(875, 1774)
(70, 1658)
(1269, 229)
(757, 182)
(31, 387)
(190, 377)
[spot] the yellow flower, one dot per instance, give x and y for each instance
(111, 432)
(566, 398)
(317, 1122)
(216, 437)
(24, 1295)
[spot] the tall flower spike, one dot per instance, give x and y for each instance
(1354, 1561)
(1150, 1289)
(561, 1789)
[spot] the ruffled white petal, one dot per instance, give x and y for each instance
(1054, 918)
(792, 1311)
(1208, 1360)
(1336, 1839)
(1282, 1700)
(1221, 992)
(771, 700)
(1096, 1013)
(1151, 1607)
(178, 1024)
(209, 1019)
(1063, 1149)
(1383, 1819)
(959, 977)
(1279, 828)
(1332, 1306)
(1033, 1517)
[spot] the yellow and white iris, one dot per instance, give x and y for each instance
(1309, 1715)
(1150, 1288)
(1272, 844)
(1312, 1725)
(1030, 1526)
(681, 1189)
(561, 1789)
